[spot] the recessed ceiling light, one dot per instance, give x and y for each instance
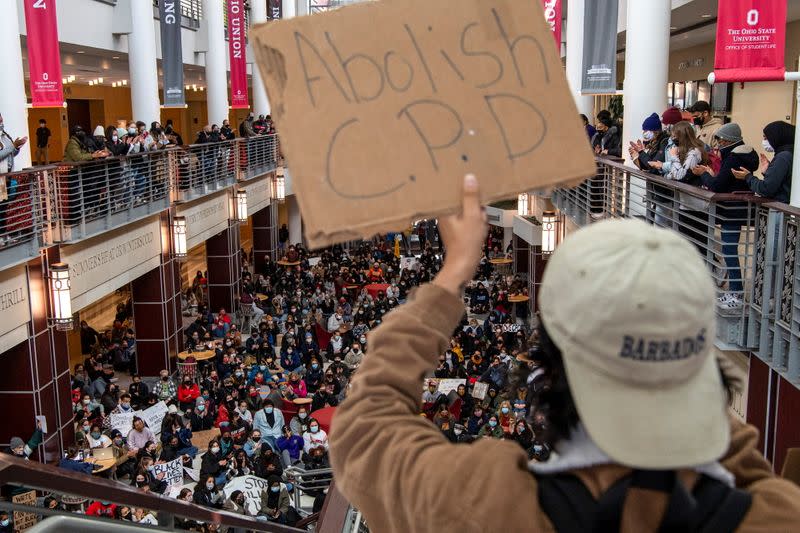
(705, 16)
(114, 57)
(81, 52)
(673, 28)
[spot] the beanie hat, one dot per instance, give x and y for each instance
(671, 116)
(99, 132)
(16, 442)
(652, 123)
(729, 132)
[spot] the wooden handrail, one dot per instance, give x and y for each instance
(16, 471)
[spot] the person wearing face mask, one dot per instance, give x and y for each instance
(706, 123)
(299, 423)
(19, 448)
(476, 421)
(653, 147)
(202, 417)
(138, 390)
(314, 375)
(492, 428)
(236, 504)
(269, 421)
(188, 393)
(78, 147)
(207, 494)
(125, 458)
(777, 183)
(315, 437)
(297, 386)
(275, 501)
(165, 389)
(354, 357)
(9, 148)
(290, 446)
(214, 465)
(734, 154)
(96, 439)
(244, 411)
(43, 134)
(290, 360)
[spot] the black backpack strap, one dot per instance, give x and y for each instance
(567, 502)
(572, 509)
(720, 508)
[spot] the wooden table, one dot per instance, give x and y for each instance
(301, 401)
(262, 297)
(204, 355)
(105, 464)
(518, 299)
(503, 264)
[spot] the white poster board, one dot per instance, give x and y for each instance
(251, 486)
(171, 472)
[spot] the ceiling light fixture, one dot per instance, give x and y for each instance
(705, 16)
(81, 52)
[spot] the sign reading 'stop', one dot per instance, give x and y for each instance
(384, 106)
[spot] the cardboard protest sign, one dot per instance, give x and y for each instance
(380, 126)
(479, 390)
(153, 416)
(447, 385)
(24, 521)
(171, 472)
(251, 486)
(122, 421)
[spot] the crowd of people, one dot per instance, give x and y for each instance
(698, 149)
(307, 335)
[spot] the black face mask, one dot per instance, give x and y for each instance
(698, 121)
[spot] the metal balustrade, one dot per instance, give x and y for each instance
(95, 196)
(749, 245)
(70, 201)
(191, 12)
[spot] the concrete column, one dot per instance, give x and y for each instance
(13, 102)
(142, 64)
(258, 14)
(302, 8)
(295, 222)
(508, 237)
(289, 8)
(575, 57)
(646, 66)
(794, 199)
(216, 63)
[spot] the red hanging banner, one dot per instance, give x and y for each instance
(552, 14)
(751, 40)
(44, 57)
(238, 55)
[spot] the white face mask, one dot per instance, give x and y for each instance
(767, 147)
(648, 135)
(210, 486)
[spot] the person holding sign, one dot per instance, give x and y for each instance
(650, 357)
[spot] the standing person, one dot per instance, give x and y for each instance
(608, 140)
(226, 131)
(43, 135)
(651, 358)
(9, 148)
(734, 154)
(653, 147)
(777, 182)
(590, 130)
(706, 122)
(685, 152)
(283, 237)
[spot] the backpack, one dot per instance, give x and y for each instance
(711, 507)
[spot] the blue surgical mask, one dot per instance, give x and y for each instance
(493, 423)
(275, 489)
(289, 486)
(5, 522)
(268, 410)
(504, 410)
(648, 135)
(313, 429)
(201, 408)
(315, 366)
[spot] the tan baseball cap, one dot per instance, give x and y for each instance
(631, 307)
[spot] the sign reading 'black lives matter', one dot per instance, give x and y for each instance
(383, 107)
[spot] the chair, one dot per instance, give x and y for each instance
(245, 315)
(187, 368)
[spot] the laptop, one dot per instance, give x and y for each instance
(103, 453)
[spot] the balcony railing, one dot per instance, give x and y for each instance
(191, 12)
(72, 201)
(749, 246)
